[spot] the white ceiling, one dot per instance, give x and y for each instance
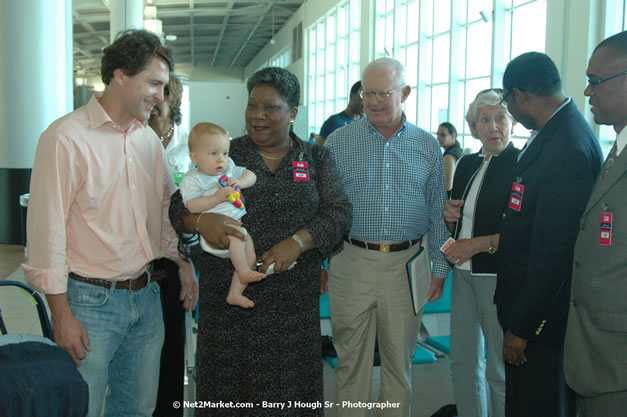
(209, 33)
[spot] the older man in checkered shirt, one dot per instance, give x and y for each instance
(393, 173)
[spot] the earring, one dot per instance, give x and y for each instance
(291, 121)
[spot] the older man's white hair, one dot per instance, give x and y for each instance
(391, 63)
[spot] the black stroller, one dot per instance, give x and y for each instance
(37, 377)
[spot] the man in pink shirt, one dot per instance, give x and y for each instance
(98, 216)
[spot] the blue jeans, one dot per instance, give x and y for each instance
(125, 330)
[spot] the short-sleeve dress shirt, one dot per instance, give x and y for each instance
(99, 201)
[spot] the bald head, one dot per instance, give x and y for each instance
(203, 132)
(391, 65)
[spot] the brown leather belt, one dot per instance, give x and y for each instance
(134, 284)
(383, 247)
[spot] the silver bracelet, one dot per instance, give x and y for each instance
(298, 240)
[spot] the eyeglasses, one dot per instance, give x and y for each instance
(381, 95)
(595, 83)
(503, 102)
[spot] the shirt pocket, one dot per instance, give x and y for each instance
(611, 321)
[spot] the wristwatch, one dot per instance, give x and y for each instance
(491, 249)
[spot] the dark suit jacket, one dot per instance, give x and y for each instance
(491, 202)
(536, 245)
(595, 360)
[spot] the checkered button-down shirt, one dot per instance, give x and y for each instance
(396, 186)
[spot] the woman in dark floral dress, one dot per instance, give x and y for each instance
(269, 356)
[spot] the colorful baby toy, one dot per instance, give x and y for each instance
(236, 198)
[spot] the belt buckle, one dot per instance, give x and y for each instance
(384, 247)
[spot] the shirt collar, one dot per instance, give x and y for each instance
(621, 141)
(482, 155)
(400, 129)
(568, 99)
(99, 117)
(534, 133)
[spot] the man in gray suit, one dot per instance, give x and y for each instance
(595, 357)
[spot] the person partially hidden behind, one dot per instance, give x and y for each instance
(209, 150)
(353, 111)
(447, 136)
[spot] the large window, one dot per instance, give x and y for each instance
(397, 34)
(452, 49)
(282, 59)
(333, 62)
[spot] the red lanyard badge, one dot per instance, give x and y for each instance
(605, 234)
(515, 200)
(300, 170)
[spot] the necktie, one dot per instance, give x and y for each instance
(609, 161)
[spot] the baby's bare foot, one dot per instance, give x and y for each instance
(250, 276)
(239, 300)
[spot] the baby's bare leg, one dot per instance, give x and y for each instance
(240, 252)
(236, 296)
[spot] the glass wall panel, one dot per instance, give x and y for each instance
(333, 44)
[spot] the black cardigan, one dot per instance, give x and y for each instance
(455, 150)
(493, 195)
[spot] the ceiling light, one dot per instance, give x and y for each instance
(150, 12)
(154, 25)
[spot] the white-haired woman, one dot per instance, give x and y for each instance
(480, 190)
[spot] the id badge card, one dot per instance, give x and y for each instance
(515, 200)
(178, 177)
(605, 234)
(300, 170)
(449, 242)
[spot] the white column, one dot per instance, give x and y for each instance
(574, 29)
(125, 14)
(35, 75)
(35, 89)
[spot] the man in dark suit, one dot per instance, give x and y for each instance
(595, 361)
(552, 181)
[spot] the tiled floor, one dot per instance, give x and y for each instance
(431, 382)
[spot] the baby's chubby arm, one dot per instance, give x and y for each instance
(248, 179)
(202, 204)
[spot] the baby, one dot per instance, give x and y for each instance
(209, 150)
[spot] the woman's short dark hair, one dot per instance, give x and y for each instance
(449, 126)
(132, 51)
(281, 79)
(533, 72)
(173, 94)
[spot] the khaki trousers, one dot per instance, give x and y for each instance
(369, 290)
